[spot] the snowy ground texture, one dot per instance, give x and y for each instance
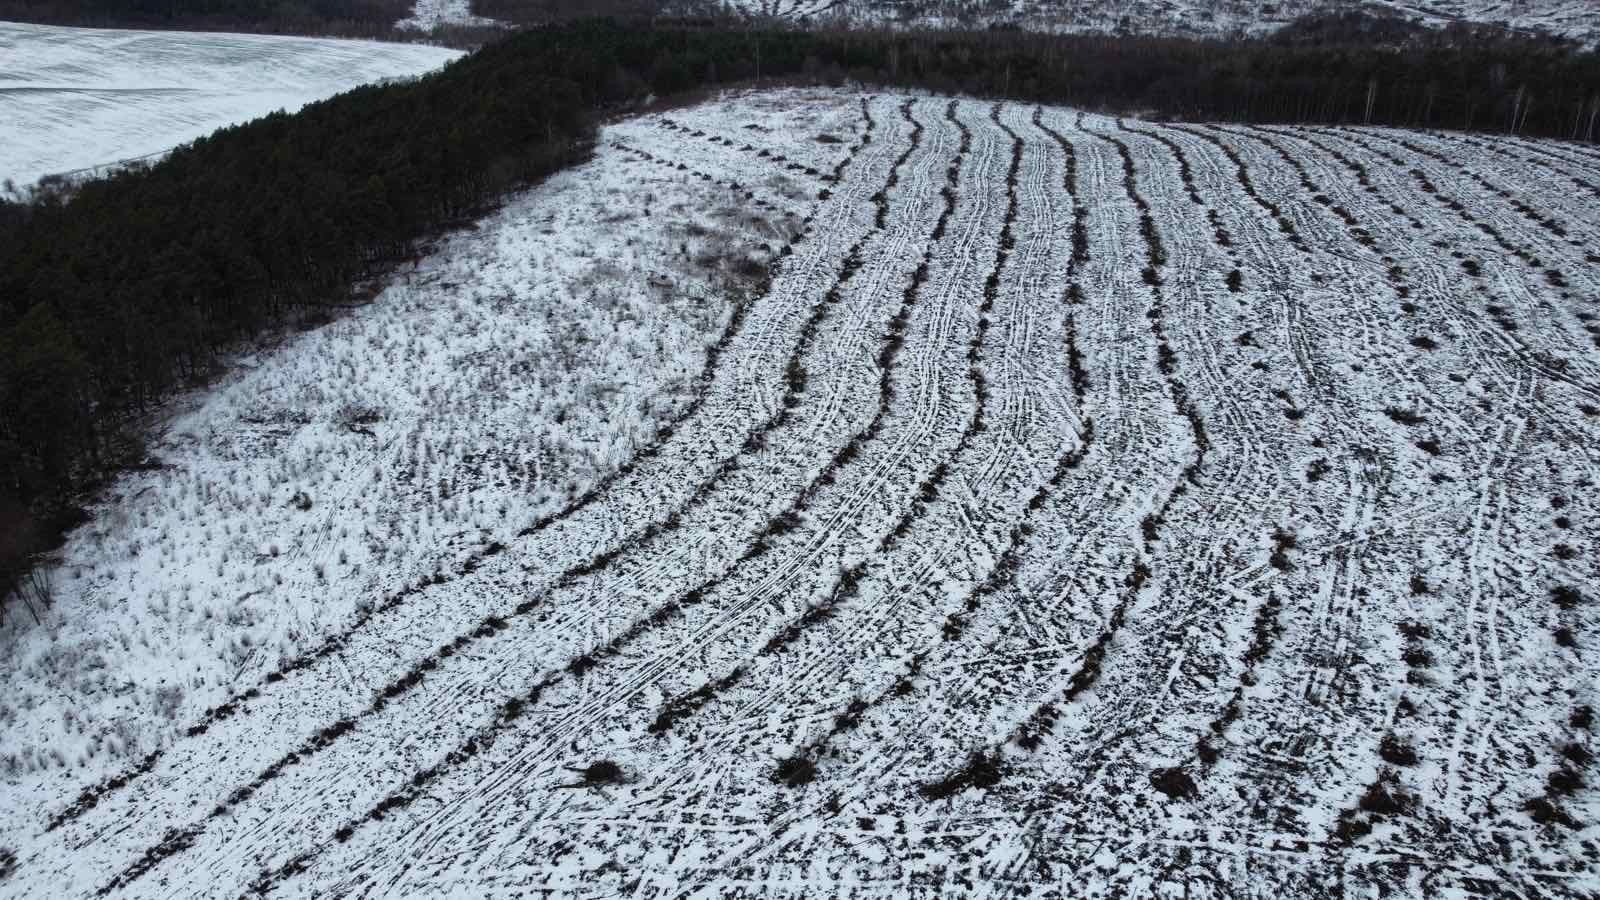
(427, 15)
(76, 98)
(1578, 19)
(493, 384)
(1088, 508)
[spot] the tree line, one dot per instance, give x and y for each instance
(120, 291)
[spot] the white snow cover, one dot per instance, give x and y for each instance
(1579, 19)
(430, 14)
(74, 98)
(519, 362)
(1089, 508)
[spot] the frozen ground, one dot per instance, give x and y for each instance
(1579, 19)
(1089, 508)
(75, 98)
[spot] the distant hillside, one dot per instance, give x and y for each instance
(1575, 19)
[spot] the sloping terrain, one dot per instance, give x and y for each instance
(492, 381)
(1567, 18)
(76, 98)
(1089, 505)
(1577, 19)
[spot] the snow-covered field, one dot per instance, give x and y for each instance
(76, 98)
(1578, 19)
(1089, 508)
(492, 384)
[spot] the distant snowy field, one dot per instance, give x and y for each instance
(74, 98)
(1577, 19)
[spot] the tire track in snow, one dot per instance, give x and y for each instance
(1023, 279)
(514, 708)
(1479, 635)
(176, 839)
(1020, 270)
(91, 797)
(1326, 646)
(925, 369)
(1189, 659)
(677, 708)
(976, 425)
(1521, 351)
(1486, 702)
(983, 767)
(1323, 314)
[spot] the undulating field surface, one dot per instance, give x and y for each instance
(1090, 507)
(75, 98)
(1576, 19)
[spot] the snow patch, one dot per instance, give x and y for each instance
(76, 98)
(430, 14)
